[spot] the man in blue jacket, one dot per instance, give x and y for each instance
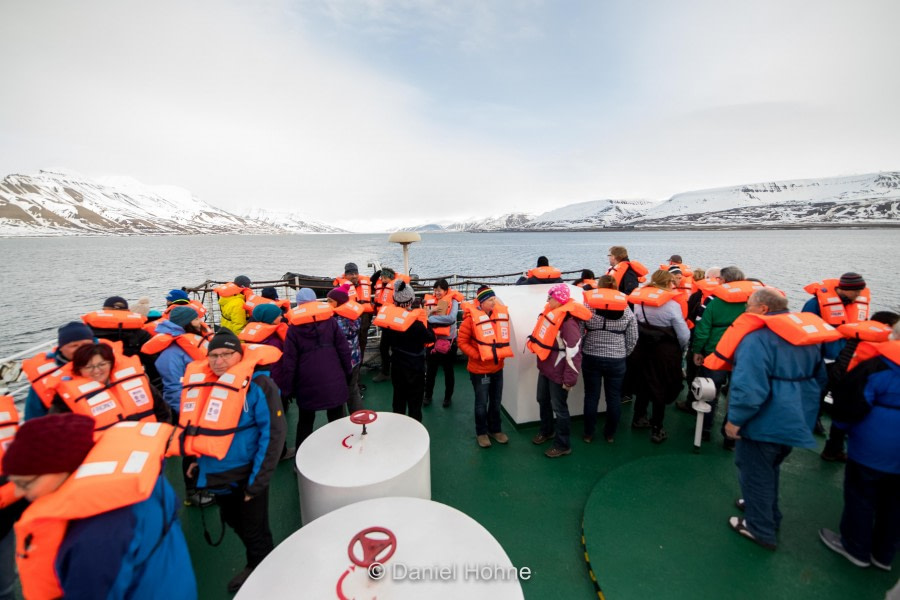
(774, 400)
(70, 337)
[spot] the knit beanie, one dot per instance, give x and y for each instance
(305, 295)
(484, 292)
(57, 443)
(266, 313)
(269, 292)
(174, 295)
(183, 315)
(242, 280)
(339, 295)
(560, 293)
(852, 281)
(73, 331)
(225, 339)
(116, 302)
(403, 293)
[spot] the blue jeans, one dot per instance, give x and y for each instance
(552, 398)
(8, 576)
(488, 394)
(719, 378)
(870, 523)
(759, 467)
(610, 372)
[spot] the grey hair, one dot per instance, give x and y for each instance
(730, 274)
(771, 298)
(713, 272)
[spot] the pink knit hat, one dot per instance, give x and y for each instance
(560, 293)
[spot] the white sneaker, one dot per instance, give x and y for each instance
(833, 541)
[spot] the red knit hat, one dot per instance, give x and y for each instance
(56, 443)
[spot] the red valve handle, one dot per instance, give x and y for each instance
(363, 417)
(373, 548)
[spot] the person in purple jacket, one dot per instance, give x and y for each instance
(316, 365)
(557, 374)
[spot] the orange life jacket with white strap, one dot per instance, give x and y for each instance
(687, 277)
(588, 284)
(126, 397)
(350, 310)
(867, 331)
(619, 270)
(42, 371)
(606, 299)
(451, 295)
(543, 339)
(211, 405)
(254, 300)
(194, 345)
(110, 318)
(866, 350)
(799, 329)
(544, 273)
(310, 312)
(706, 287)
(361, 292)
(833, 310)
(120, 470)
(650, 295)
(384, 293)
(681, 297)
(736, 291)
(490, 332)
(226, 290)
(393, 317)
(257, 333)
(9, 425)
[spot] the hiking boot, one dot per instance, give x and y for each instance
(381, 377)
(238, 580)
(426, 401)
(641, 423)
(659, 436)
(879, 564)
(500, 437)
(832, 456)
(447, 402)
(610, 440)
(484, 441)
(740, 525)
(201, 499)
(588, 439)
(540, 438)
(555, 452)
(833, 541)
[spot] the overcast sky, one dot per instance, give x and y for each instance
(370, 114)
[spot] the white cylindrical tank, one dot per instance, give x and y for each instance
(337, 465)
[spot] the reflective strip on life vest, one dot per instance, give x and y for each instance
(650, 295)
(108, 318)
(867, 331)
(310, 312)
(491, 333)
(398, 319)
(606, 299)
(543, 338)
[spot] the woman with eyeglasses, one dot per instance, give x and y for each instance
(109, 387)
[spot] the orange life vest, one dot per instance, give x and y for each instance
(9, 425)
(736, 291)
(310, 312)
(544, 273)
(120, 470)
(833, 310)
(194, 345)
(211, 405)
(681, 297)
(254, 300)
(650, 295)
(256, 333)
(361, 292)
(706, 287)
(227, 290)
(799, 329)
(866, 350)
(543, 339)
(451, 295)
(384, 293)
(490, 332)
(350, 310)
(619, 270)
(41, 370)
(687, 277)
(606, 299)
(867, 331)
(110, 318)
(398, 319)
(126, 397)
(588, 284)
(195, 304)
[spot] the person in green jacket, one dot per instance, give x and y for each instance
(709, 328)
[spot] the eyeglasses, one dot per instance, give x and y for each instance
(96, 366)
(222, 356)
(24, 485)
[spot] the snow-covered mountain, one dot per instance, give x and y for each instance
(60, 203)
(590, 215)
(289, 221)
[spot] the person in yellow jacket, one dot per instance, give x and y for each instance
(234, 317)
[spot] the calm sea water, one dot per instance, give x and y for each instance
(54, 280)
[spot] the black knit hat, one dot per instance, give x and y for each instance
(116, 302)
(852, 281)
(225, 339)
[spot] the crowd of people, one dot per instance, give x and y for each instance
(172, 386)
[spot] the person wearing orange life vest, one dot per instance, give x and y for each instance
(360, 292)
(316, 362)
(42, 367)
(406, 344)
(11, 504)
(486, 326)
(627, 273)
(560, 366)
(586, 281)
(442, 320)
(98, 370)
(662, 338)
(117, 323)
(870, 522)
(542, 273)
(773, 400)
(384, 294)
(114, 534)
(339, 297)
(240, 478)
(231, 303)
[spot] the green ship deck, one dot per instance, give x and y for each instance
(648, 521)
